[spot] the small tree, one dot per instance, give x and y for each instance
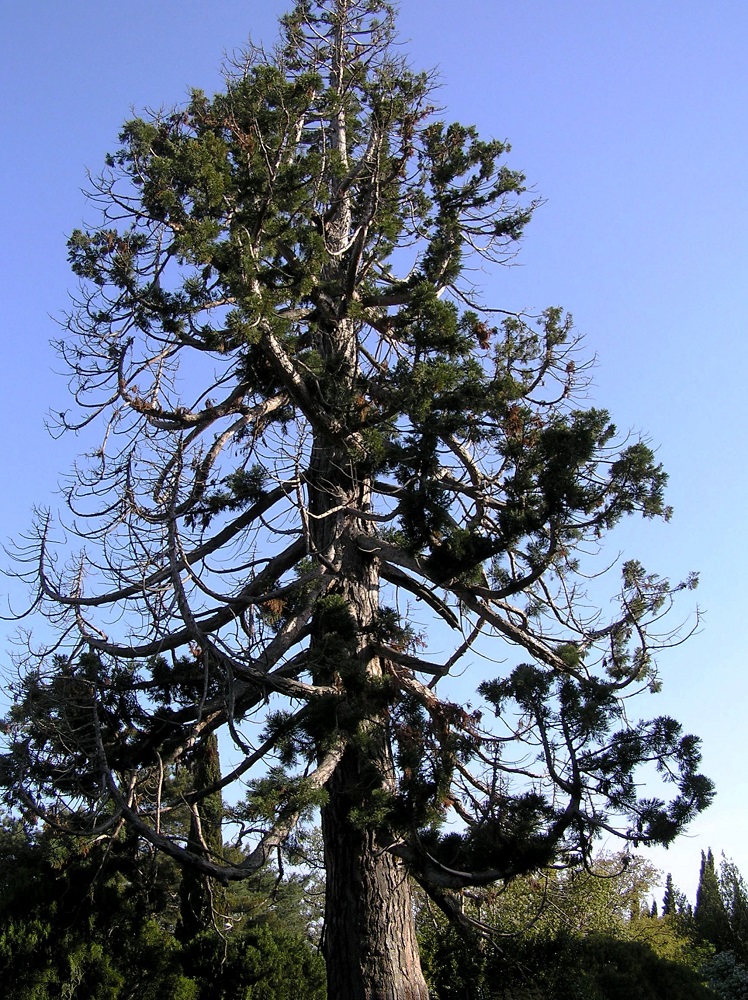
(669, 900)
(323, 459)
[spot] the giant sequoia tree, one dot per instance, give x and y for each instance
(329, 476)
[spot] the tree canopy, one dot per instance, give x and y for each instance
(328, 477)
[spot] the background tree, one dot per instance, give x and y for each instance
(720, 919)
(710, 916)
(669, 899)
(734, 894)
(97, 920)
(727, 977)
(579, 933)
(85, 919)
(315, 435)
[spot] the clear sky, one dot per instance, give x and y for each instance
(629, 118)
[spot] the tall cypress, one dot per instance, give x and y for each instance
(711, 920)
(668, 899)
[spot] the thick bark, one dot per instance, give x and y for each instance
(369, 944)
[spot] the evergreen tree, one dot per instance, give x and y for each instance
(79, 918)
(314, 434)
(735, 898)
(727, 977)
(94, 920)
(566, 935)
(669, 902)
(710, 917)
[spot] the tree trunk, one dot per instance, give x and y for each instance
(369, 942)
(198, 895)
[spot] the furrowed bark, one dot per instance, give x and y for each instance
(369, 944)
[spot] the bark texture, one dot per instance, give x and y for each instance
(370, 944)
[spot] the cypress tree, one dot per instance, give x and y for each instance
(735, 897)
(669, 900)
(710, 917)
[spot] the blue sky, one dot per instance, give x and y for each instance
(629, 119)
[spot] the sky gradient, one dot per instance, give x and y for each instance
(629, 120)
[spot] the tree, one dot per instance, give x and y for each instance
(314, 436)
(567, 934)
(710, 917)
(79, 918)
(603, 898)
(85, 918)
(669, 900)
(727, 977)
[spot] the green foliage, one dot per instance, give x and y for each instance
(586, 709)
(727, 977)
(86, 923)
(278, 792)
(710, 916)
(562, 968)
(309, 422)
(260, 963)
(243, 487)
(77, 921)
(573, 935)
(734, 894)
